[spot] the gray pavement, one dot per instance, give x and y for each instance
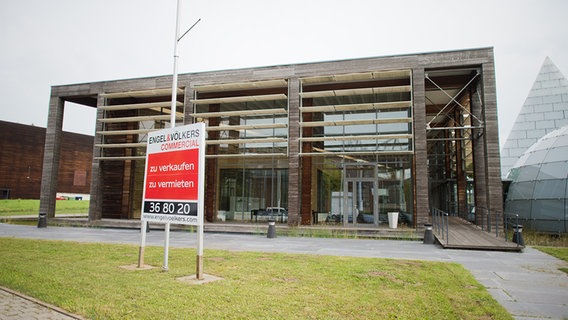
(14, 306)
(528, 284)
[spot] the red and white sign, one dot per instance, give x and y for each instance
(174, 176)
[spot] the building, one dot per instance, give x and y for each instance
(21, 161)
(539, 184)
(345, 141)
(545, 110)
(535, 156)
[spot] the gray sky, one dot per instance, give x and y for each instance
(45, 43)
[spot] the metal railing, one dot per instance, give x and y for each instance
(540, 225)
(488, 221)
(500, 223)
(441, 224)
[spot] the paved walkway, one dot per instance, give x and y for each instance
(14, 306)
(527, 284)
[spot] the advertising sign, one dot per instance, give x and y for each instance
(174, 176)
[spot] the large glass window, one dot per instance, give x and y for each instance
(367, 187)
(363, 113)
(357, 147)
(250, 195)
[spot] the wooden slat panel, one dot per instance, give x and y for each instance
(134, 106)
(361, 137)
(366, 76)
(279, 83)
(245, 141)
(264, 97)
(248, 127)
(121, 158)
(240, 113)
(121, 132)
(354, 92)
(142, 93)
(354, 122)
(137, 119)
(358, 107)
(247, 155)
(121, 145)
(357, 153)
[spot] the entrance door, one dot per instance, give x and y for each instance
(360, 202)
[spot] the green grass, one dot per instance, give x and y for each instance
(560, 253)
(19, 207)
(86, 279)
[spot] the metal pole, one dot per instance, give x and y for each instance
(142, 244)
(516, 226)
(447, 227)
(172, 125)
(488, 222)
(496, 225)
(435, 220)
(201, 213)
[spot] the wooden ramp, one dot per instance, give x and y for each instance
(465, 235)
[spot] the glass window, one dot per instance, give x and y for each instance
(522, 190)
(556, 154)
(527, 173)
(536, 157)
(562, 140)
(554, 170)
(242, 192)
(551, 210)
(550, 189)
(518, 207)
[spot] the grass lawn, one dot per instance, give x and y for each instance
(560, 253)
(31, 207)
(86, 278)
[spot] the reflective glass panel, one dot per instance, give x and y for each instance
(550, 189)
(554, 170)
(557, 154)
(522, 190)
(548, 209)
(536, 157)
(527, 173)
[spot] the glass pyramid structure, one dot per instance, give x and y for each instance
(545, 110)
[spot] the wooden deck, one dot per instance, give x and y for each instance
(465, 235)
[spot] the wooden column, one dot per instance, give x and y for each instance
(51, 156)
(95, 204)
(421, 204)
(293, 151)
(211, 169)
(306, 175)
(491, 137)
(461, 177)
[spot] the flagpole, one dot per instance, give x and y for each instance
(173, 116)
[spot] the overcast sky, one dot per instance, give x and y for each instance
(45, 43)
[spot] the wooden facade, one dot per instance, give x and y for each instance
(445, 101)
(21, 161)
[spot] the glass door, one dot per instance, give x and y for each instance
(360, 202)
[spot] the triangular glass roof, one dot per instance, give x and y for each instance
(545, 110)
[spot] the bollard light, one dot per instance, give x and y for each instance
(271, 229)
(428, 234)
(42, 221)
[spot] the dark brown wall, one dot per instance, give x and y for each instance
(21, 160)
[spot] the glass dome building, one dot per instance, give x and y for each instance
(538, 192)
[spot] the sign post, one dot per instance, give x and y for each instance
(195, 140)
(174, 182)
